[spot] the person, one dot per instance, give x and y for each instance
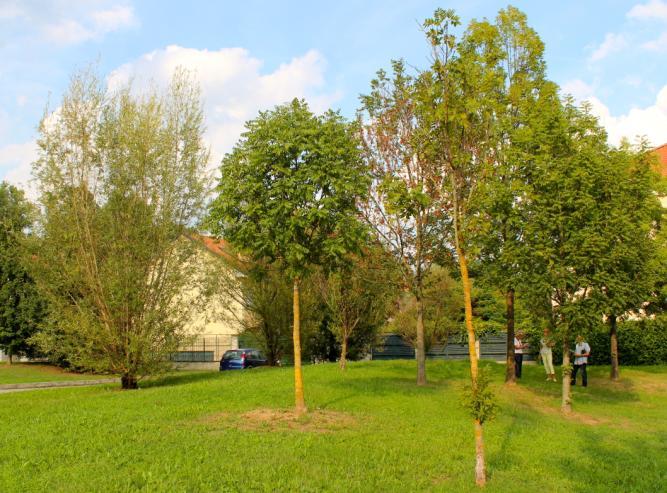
(519, 346)
(581, 353)
(546, 343)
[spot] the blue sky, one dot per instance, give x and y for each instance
(252, 55)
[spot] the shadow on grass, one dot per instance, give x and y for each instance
(180, 378)
(627, 463)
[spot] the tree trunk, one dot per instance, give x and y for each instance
(343, 353)
(566, 398)
(299, 402)
(128, 381)
(480, 468)
(510, 370)
(9, 353)
(615, 374)
(420, 351)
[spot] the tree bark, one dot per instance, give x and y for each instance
(299, 402)
(420, 350)
(566, 397)
(510, 371)
(615, 373)
(9, 353)
(343, 354)
(128, 381)
(480, 468)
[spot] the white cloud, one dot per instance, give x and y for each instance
(659, 44)
(234, 86)
(612, 43)
(69, 21)
(118, 17)
(653, 10)
(649, 122)
(18, 159)
(578, 89)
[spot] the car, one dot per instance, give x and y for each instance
(241, 359)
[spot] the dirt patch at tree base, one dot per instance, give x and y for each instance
(270, 420)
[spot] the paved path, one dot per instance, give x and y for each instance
(21, 387)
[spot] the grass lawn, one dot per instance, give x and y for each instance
(34, 372)
(371, 429)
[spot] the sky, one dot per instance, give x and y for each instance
(252, 55)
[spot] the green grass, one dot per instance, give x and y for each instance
(33, 372)
(185, 434)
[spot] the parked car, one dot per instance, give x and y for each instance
(240, 359)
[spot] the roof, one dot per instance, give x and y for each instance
(217, 246)
(661, 152)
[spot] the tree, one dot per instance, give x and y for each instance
(567, 233)
(442, 307)
(504, 193)
(403, 206)
(627, 274)
(121, 177)
(358, 297)
(259, 301)
(460, 104)
(288, 193)
(22, 309)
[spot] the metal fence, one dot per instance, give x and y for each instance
(494, 347)
(205, 348)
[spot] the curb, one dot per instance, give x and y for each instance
(46, 385)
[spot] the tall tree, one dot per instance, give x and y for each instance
(403, 206)
(627, 274)
(288, 193)
(505, 193)
(121, 178)
(21, 307)
(461, 103)
(567, 233)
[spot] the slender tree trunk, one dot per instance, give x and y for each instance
(510, 371)
(615, 374)
(299, 402)
(343, 354)
(566, 398)
(421, 352)
(9, 353)
(128, 381)
(480, 468)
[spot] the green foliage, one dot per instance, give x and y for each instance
(443, 308)
(121, 177)
(288, 189)
(479, 398)
(22, 309)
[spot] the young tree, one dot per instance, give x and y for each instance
(288, 193)
(461, 103)
(121, 179)
(358, 297)
(403, 206)
(21, 307)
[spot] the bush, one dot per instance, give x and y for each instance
(640, 342)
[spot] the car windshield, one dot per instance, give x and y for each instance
(232, 355)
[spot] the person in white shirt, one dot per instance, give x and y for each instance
(546, 343)
(519, 346)
(581, 353)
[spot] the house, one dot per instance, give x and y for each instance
(215, 329)
(661, 153)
